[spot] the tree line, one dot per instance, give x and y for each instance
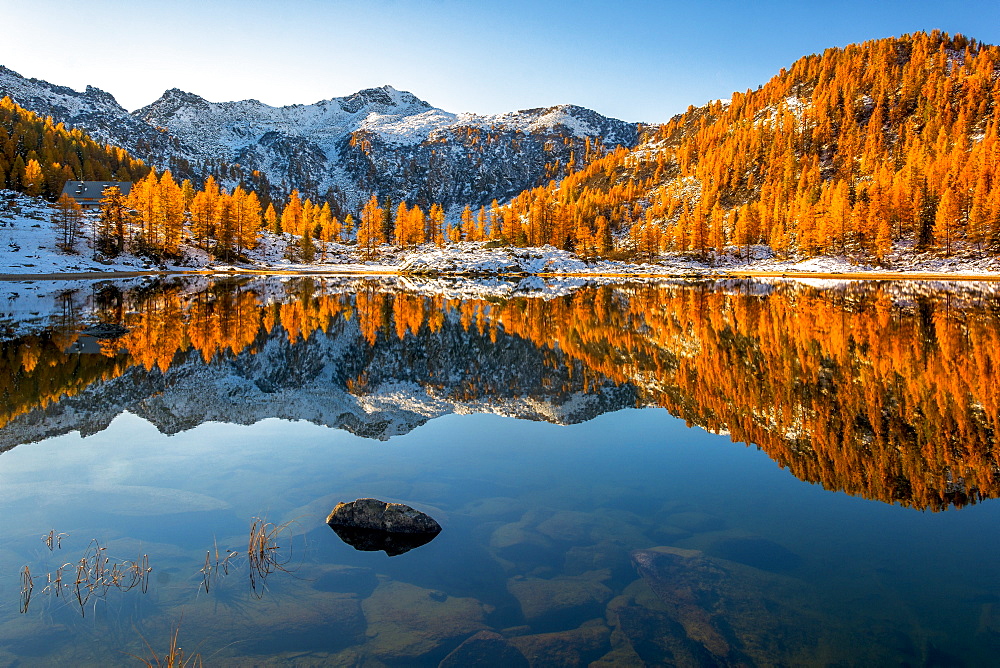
(846, 152)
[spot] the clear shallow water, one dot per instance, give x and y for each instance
(625, 539)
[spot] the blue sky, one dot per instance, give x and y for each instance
(631, 59)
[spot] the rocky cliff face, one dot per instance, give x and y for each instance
(378, 140)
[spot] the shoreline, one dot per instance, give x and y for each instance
(688, 274)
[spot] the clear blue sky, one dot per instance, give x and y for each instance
(631, 59)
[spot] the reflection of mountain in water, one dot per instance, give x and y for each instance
(891, 397)
(334, 378)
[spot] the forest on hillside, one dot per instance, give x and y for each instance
(852, 151)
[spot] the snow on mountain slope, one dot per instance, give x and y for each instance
(387, 142)
(395, 117)
(95, 112)
(223, 129)
(377, 141)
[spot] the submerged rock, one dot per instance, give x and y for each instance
(562, 601)
(348, 580)
(689, 584)
(517, 543)
(409, 624)
(709, 611)
(382, 516)
(757, 552)
(485, 649)
(695, 522)
(566, 648)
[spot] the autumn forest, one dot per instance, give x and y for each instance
(845, 152)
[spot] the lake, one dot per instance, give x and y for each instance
(663, 473)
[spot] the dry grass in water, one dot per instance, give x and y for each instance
(27, 587)
(264, 556)
(94, 575)
(174, 658)
(54, 540)
(263, 552)
(210, 571)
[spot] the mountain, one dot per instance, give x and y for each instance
(378, 140)
(98, 114)
(387, 142)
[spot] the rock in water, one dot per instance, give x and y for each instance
(370, 525)
(382, 516)
(485, 650)
(690, 586)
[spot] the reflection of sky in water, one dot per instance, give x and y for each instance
(641, 476)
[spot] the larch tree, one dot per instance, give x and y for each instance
(67, 218)
(371, 227)
(113, 223)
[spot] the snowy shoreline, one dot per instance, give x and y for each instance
(29, 250)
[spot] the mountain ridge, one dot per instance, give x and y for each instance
(376, 140)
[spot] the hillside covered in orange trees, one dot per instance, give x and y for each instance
(881, 147)
(848, 151)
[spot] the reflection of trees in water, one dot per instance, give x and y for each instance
(891, 399)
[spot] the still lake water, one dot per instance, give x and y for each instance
(584, 448)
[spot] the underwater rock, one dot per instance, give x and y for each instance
(407, 624)
(517, 543)
(649, 637)
(319, 621)
(613, 556)
(693, 609)
(573, 526)
(500, 507)
(373, 540)
(485, 649)
(347, 580)
(696, 522)
(561, 601)
(382, 516)
(322, 623)
(570, 526)
(757, 552)
(566, 648)
(687, 583)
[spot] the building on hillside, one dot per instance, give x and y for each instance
(88, 194)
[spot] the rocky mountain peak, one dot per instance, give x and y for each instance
(168, 104)
(100, 95)
(384, 96)
(378, 140)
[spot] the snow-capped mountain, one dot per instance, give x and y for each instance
(98, 114)
(378, 140)
(388, 142)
